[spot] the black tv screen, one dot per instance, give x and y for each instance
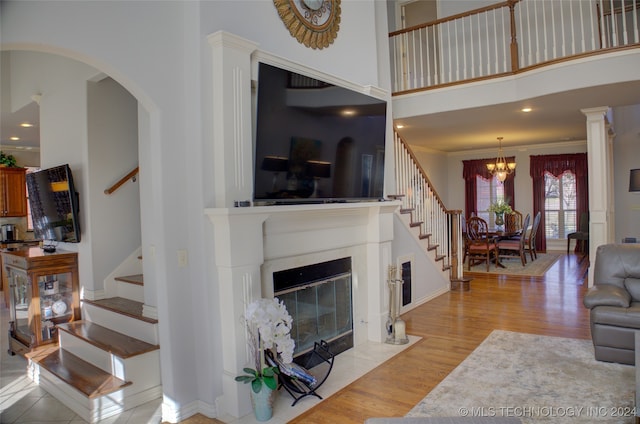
(54, 205)
(315, 141)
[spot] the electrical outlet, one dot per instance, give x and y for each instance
(182, 258)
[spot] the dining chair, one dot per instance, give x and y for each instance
(480, 246)
(582, 235)
(530, 240)
(508, 248)
(513, 223)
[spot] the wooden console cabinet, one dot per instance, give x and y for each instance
(43, 290)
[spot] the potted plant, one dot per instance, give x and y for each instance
(7, 160)
(500, 208)
(268, 327)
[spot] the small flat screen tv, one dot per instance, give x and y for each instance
(54, 205)
(316, 141)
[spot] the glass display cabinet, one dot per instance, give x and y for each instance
(43, 293)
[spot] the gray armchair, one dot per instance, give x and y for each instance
(614, 302)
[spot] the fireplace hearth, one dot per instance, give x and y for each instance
(319, 299)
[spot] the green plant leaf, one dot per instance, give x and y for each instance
(251, 371)
(270, 382)
(256, 385)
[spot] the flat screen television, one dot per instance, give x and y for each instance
(54, 205)
(315, 141)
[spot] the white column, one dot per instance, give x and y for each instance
(600, 181)
(232, 140)
(239, 255)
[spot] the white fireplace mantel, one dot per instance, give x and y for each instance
(253, 242)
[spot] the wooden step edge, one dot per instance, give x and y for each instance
(424, 236)
(137, 279)
(122, 306)
(111, 341)
(88, 379)
(406, 210)
(440, 257)
(432, 247)
(415, 224)
(395, 196)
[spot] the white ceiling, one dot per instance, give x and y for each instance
(10, 126)
(554, 118)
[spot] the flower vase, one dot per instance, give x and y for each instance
(499, 220)
(262, 403)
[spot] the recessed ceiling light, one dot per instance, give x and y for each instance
(348, 112)
(399, 126)
(526, 109)
(14, 138)
(26, 125)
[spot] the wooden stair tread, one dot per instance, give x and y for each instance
(111, 341)
(133, 279)
(81, 375)
(123, 306)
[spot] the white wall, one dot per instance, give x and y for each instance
(157, 50)
(114, 222)
(626, 154)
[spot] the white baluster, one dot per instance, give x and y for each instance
(582, 38)
(623, 15)
(455, 32)
(421, 58)
(592, 20)
(614, 27)
(636, 37)
(553, 30)
(544, 32)
(479, 47)
(537, 30)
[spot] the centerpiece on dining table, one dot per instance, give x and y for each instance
(500, 208)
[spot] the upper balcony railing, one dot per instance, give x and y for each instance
(508, 37)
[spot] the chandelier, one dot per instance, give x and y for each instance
(501, 168)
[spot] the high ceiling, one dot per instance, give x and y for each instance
(553, 118)
(10, 127)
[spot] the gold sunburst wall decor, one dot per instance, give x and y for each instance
(314, 23)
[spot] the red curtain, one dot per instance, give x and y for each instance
(556, 165)
(471, 169)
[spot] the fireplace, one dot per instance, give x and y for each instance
(319, 299)
(254, 244)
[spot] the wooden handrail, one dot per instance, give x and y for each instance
(507, 3)
(130, 176)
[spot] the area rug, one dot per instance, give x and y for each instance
(534, 378)
(535, 268)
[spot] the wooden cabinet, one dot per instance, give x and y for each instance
(13, 192)
(43, 290)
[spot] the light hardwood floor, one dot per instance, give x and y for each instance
(451, 327)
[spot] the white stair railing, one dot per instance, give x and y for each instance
(440, 226)
(507, 37)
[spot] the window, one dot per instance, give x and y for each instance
(488, 192)
(559, 205)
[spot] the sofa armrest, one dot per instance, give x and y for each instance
(606, 295)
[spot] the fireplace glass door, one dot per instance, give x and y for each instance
(321, 311)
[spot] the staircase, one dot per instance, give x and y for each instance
(109, 361)
(424, 213)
